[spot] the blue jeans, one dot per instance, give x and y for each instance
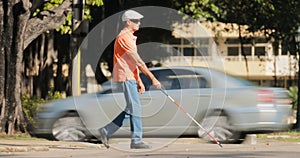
(132, 112)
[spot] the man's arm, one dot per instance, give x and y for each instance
(141, 87)
(142, 67)
(146, 71)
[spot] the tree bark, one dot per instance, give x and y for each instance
(2, 69)
(7, 42)
(243, 51)
(18, 17)
(50, 20)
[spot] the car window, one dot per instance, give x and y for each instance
(241, 81)
(146, 81)
(110, 87)
(187, 79)
(233, 81)
(176, 79)
(166, 81)
(162, 76)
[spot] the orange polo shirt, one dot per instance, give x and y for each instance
(126, 58)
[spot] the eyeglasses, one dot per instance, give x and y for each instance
(135, 20)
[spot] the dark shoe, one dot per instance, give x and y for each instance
(103, 137)
(140, 146)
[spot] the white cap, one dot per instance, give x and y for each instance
(131, 14)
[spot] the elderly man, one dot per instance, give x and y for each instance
(127, 64)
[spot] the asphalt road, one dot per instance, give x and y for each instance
(179, 148)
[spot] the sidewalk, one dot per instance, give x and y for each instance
(31, 145)
(41, 145)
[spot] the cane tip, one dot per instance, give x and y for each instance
(220, 145)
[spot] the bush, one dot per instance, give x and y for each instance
(55, 95)
(31, 104)
(293, 93)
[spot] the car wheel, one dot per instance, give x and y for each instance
(218, 126)
(69, 128)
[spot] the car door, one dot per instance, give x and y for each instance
(98, 109)
(160, 115)
(193, 92)
(153, 106)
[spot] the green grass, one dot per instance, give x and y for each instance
(291, 136)
(19, 136)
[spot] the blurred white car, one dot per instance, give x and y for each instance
(228, 107)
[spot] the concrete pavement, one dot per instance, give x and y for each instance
(169, 148)
(122, 144)
(26, 145)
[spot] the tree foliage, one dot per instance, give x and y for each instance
(293, 93)
(278, 19)
(66, 27)
(199, 9)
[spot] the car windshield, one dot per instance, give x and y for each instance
(241, 81)
(232, 81)
(110, 86)
(237, 81)
(107, 87)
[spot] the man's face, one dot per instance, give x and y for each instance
(134, 24)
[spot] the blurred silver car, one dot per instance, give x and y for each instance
(228, 107)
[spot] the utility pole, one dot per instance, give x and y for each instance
(297, 40)
(77, 14)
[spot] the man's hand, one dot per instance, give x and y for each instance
(156, 83)
(146, 71)
(141, 87)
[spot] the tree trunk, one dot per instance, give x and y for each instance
(2, 69)
(7, 40)
(243, 51)
(18, 16)
(50, 20)
(18, 31)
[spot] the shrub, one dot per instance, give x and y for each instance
(55, 95)
(31, 104)
(293, 93)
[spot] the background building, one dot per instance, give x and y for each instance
(218, 45)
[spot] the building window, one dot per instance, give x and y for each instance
(175, 51)
(260, 51)
(247, 51)
(232, 41)
(233, 51)
(202, 51)
(188, 51)
(234, 48)
(261, 40)
(202, 45)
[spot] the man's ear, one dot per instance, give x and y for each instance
(128, 22)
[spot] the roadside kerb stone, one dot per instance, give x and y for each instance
(41, 145)
(22, 149)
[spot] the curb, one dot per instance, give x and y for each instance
(22, 149)
(41, 145)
